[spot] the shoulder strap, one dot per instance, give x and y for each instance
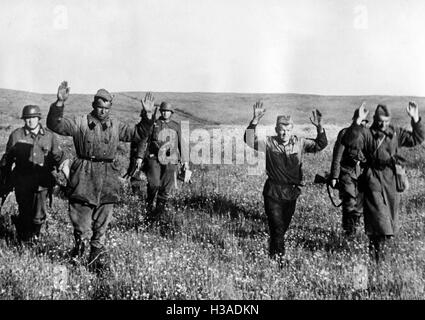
(379, 144)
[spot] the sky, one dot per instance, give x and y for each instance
(329, 47)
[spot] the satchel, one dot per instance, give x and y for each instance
(402, 183)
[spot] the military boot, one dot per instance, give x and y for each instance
(22, 229)
(77, 252)
(98, 260)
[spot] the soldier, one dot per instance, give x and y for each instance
(284, 154)
(35, 152)
(379, 146)
(93, 182)
(344, 174)
(161, 162)
(148, 118)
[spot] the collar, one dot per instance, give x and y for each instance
(40, 131)
(93, 121)
(291, 142)
(376, 133)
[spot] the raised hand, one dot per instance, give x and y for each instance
(317, 118)
(413, 111)
(63, 91)
(259, 111)
(148, 102)
(362, 113)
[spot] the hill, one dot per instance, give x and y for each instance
(218, 108)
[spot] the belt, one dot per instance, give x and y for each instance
(284, 184)
(93, 159)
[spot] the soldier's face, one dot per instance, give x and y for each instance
(166, 114)
(31, 123)
(382, 122)
(101, 108)
(284, 132)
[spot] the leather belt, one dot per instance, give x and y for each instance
(93, 159)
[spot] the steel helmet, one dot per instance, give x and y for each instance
(166, 106)
(30, 111)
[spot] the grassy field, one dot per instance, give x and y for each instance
(215, 240)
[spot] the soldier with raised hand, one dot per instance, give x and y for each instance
(93, 181)
(284, 153)
(147, 118)
(36, 154)
(377, 147)
(344, 174)
(164, 152)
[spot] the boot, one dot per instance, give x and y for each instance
(22, 231)
(98, 260)
(78, 251)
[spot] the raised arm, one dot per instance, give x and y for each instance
(250, 136)
(412, 138)
(321, 141)
(55, 119)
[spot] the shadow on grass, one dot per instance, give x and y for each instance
(219, 205)
(315, 238)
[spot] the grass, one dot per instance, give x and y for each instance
(213, 243)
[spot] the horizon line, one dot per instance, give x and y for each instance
(232, 92)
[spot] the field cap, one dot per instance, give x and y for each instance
(285, 120)
(104, 94)
(382, 111)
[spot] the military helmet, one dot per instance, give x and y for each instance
(166, 106)
(30, 111)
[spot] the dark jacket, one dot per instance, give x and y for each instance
(34, 156)
(378, 178)
(166, 142)
(94, 181)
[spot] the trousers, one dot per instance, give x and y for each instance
(279, 214)
(32, 212)
(87, 218)
(161, 180)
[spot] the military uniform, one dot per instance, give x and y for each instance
(282, 187)
(347, 172)
(377, 182)
(35, 156)
(161, 163)
(135, 179)
(94, 175)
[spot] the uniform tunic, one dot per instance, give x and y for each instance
(381, 200)
(94, 174)
(284, 162)
(35, 156)
(347, 172)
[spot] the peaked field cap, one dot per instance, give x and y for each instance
(285, 120)
(382, 111)
(166, 106)
(104, 94)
